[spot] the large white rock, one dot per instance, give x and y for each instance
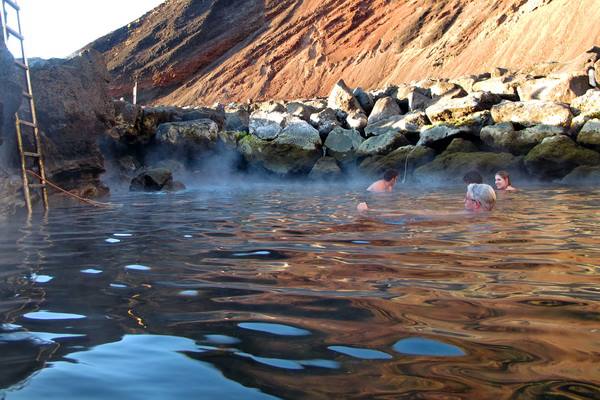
(453, 109)
(341, 98)
(266, 125)
(562, 88)
(532, 112)
(384, 108)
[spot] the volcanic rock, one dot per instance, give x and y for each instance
(326, 169)
(589, 136)
(342, 144)
(384, 108)
(556, 156)
(532, 112)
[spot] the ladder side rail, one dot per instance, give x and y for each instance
(26, 193)
(3, 20)
(36, 132)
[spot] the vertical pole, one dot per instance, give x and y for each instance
(135, 92)
(3, 19)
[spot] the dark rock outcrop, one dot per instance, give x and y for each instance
(74, 111)
(10, 100)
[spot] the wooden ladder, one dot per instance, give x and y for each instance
(26, 118)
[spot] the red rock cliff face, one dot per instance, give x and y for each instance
(188, 52)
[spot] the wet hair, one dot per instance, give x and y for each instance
(483, 194)
(390, 174)
(472, 177)
(504, 175)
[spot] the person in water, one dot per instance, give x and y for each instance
(502, 180)
(390, 177)
(480, 197)
(472, 177)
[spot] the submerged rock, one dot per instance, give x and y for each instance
(326, 169)
(583, 175)
(154, 180)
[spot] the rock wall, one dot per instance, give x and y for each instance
(74, 112)
(10, 100)
(435, 130)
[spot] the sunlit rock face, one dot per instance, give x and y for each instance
(189, 52)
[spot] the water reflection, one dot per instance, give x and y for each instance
(290, 294)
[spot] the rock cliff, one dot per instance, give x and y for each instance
(201, 51)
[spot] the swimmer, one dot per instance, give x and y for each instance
(390, 177)
(480, 197)
(503, 182)
(472, 177)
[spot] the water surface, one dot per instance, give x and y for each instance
(286, 292)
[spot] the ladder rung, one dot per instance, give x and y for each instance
(21, 65)
(12, 4)
(14, 33)
(31, 124)
(27, 95)
(30, 154)
(37, 185)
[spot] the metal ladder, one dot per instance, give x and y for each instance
(26, 119)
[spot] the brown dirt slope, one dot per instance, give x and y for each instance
(189, 52)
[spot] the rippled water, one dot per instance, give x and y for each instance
(286, 292)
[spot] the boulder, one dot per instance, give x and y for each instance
(409, 156)
(190, 114)
(589, 136)
(588, 103)
(154, 180)
(556, 156)
(324, 121)
(451, 167)
(300, 110)
(453, 109)
(417, 101)
(341, 98)
(503, 137)
(382, 144)
(410, 124)
(561, 88)
(458, 145)
(356, 120)
(192, 136)
(532, 112)
(326, 169)
(268, 107)
(505, 87)
(74, 121)
(438, 137)
(342, 144)
(154, 116)
(238, 120)
(384, 108)
(447, 90)
(364, 99)
(583, 175)
(266, 125)
(128, 121)
(294, 151)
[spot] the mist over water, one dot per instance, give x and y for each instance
(246, 289)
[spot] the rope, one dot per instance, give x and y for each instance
(406, 163)
(82, 199)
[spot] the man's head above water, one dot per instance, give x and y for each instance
(480, 197)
